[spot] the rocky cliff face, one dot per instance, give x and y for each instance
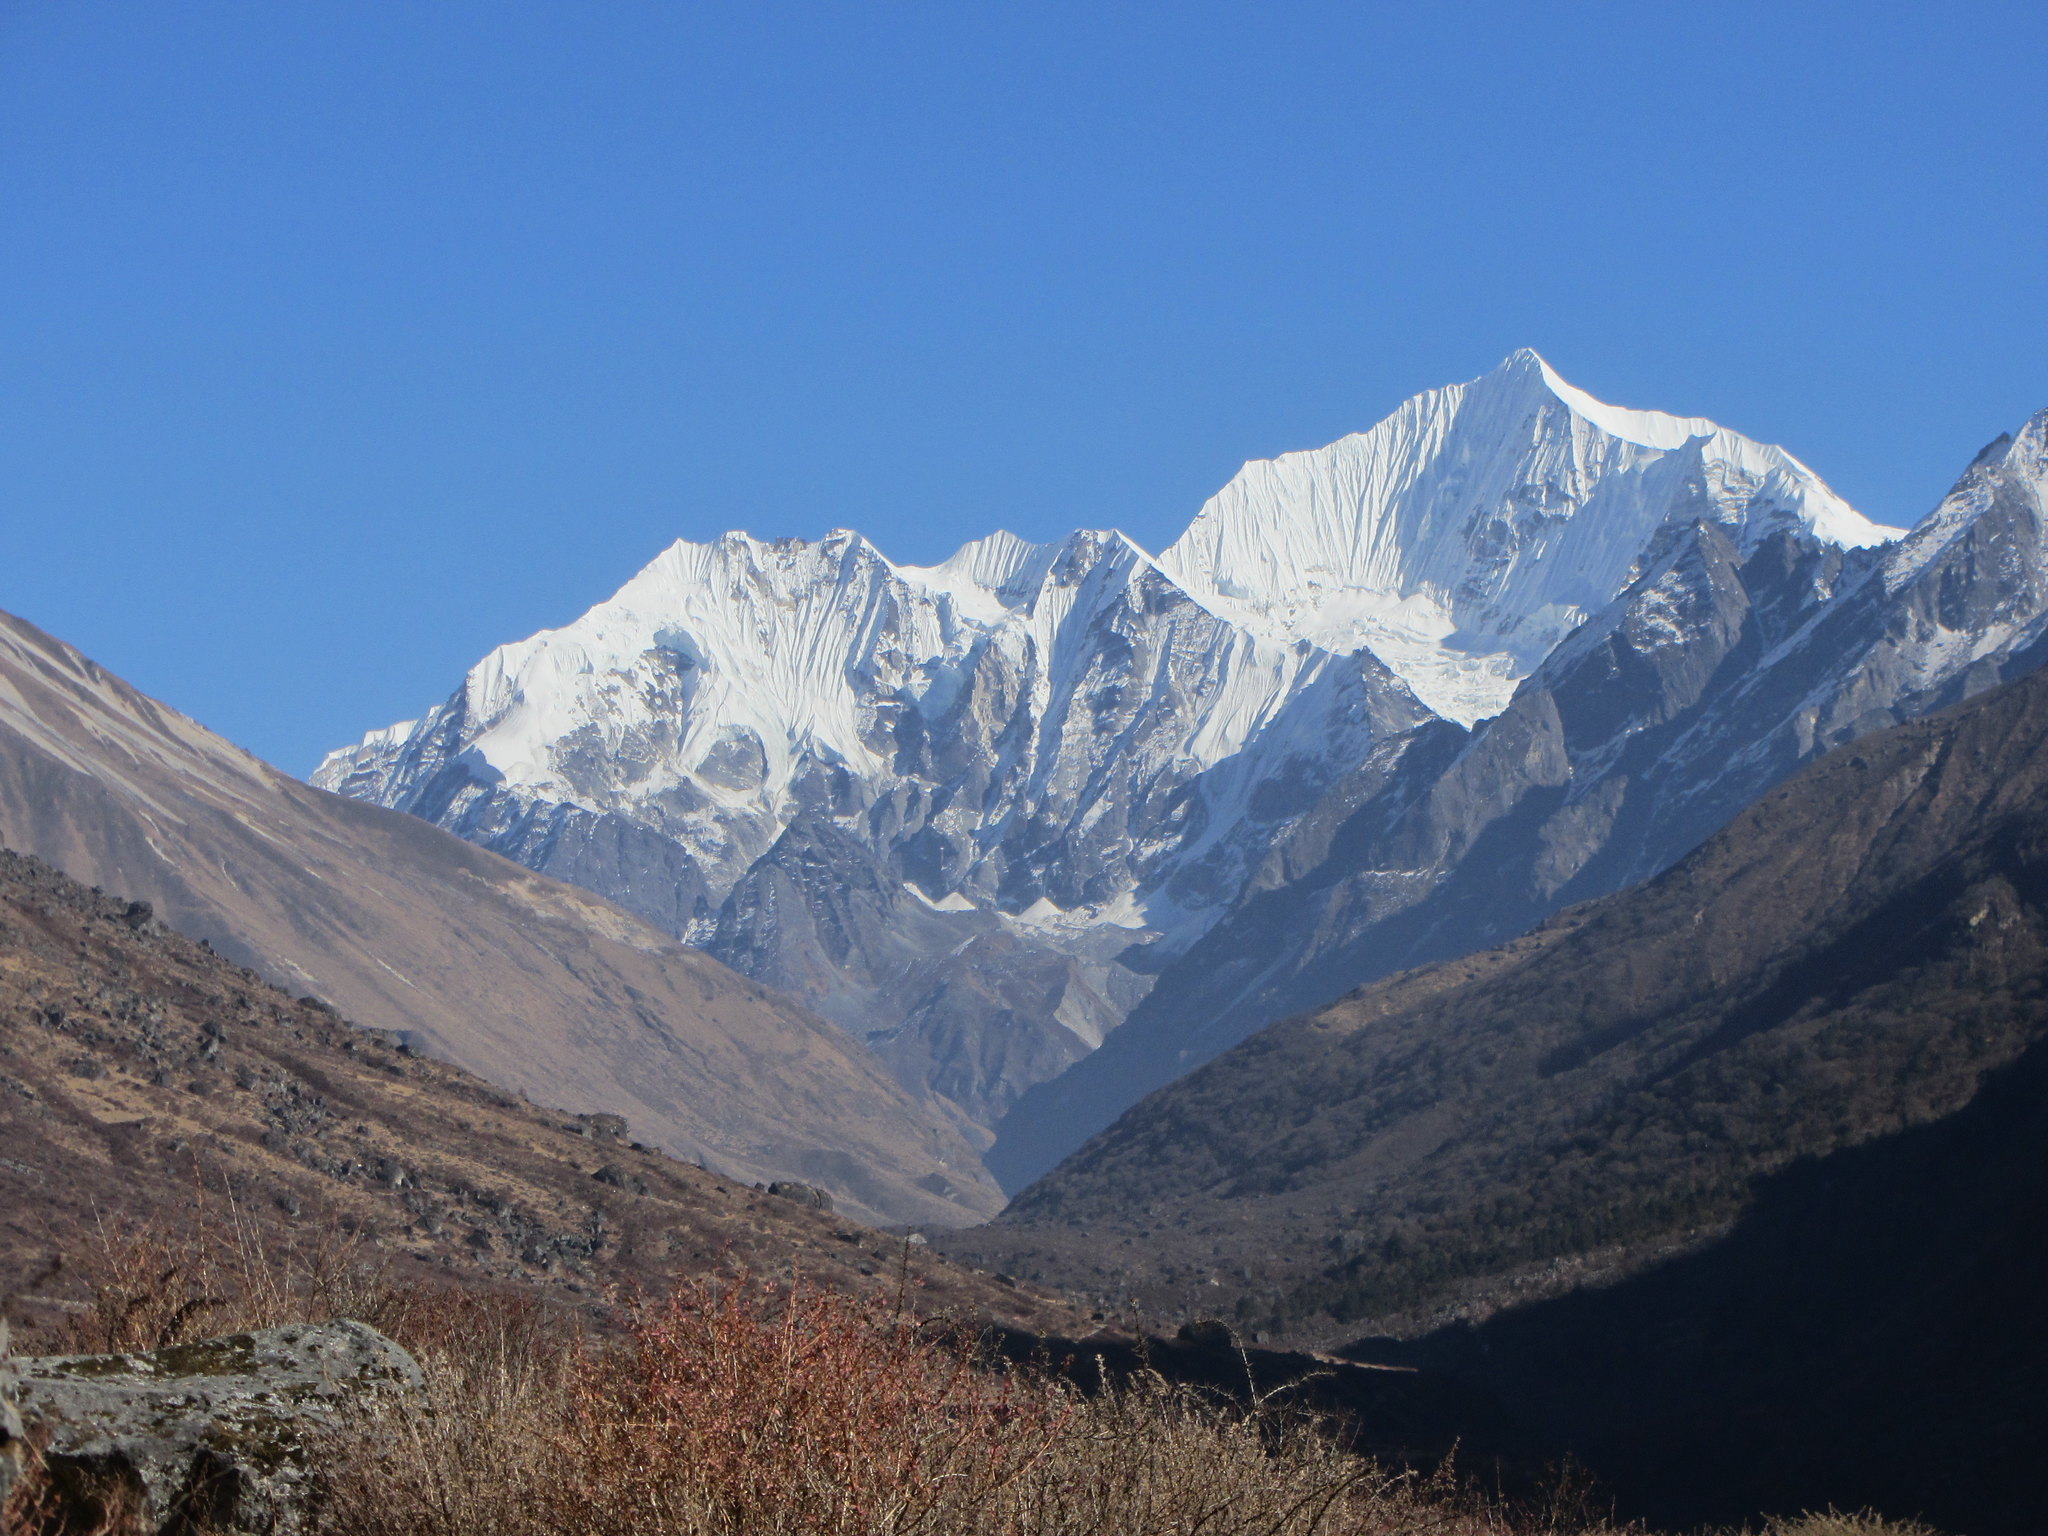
(969, 810)
(1725, 665)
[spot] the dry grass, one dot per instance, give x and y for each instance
(165, 1283)
(740, 1409)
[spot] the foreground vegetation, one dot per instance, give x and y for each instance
(740, 1407)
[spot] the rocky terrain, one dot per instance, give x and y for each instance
(530, 982)
(151, 1086)
(145, 1079)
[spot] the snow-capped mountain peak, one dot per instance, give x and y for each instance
(1000, 569)
(880, 784)
(1462, 537)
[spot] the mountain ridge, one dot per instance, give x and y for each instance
(1854, 955)
(838, 774)
(1718, 672)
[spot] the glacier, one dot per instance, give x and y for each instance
(969, 810)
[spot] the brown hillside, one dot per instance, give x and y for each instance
(140, 1074)
(522, 979)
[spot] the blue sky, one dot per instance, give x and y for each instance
(341, 342)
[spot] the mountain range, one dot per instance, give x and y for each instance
(1043, 827)
(1001, 817)
(1721, 668)
(1544, 892)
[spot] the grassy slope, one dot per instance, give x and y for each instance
(527, 981)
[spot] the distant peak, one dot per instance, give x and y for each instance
(999, 564)
(1523, 360)
(1105, 539)
(2032, 441)
(1993, 451)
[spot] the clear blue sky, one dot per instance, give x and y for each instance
(341, 342)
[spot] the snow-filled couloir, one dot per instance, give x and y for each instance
(945, 802)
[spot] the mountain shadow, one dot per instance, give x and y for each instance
(1868, 1333)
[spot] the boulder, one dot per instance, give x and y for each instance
(1208, 1333)
(803, 1194)
(213, 1434)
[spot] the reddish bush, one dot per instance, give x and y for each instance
(743, 1406)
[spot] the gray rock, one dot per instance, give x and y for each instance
(13, 1442)
(803, 1194)
(214, 1433)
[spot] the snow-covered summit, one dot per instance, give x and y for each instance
(987, 575)
(927, 795)
(1466, 534)
(715, 692)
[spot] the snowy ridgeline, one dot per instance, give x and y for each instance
(952, 804)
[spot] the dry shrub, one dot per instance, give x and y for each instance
(486, 1453)
(1148, 1456)
(742, 1407)
(75, 1504)
(738, 1409)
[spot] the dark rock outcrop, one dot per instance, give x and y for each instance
(803, 1194)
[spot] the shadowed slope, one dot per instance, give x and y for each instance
(1868, 1333)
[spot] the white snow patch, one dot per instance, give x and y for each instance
(1124, 912)
(952, 901)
